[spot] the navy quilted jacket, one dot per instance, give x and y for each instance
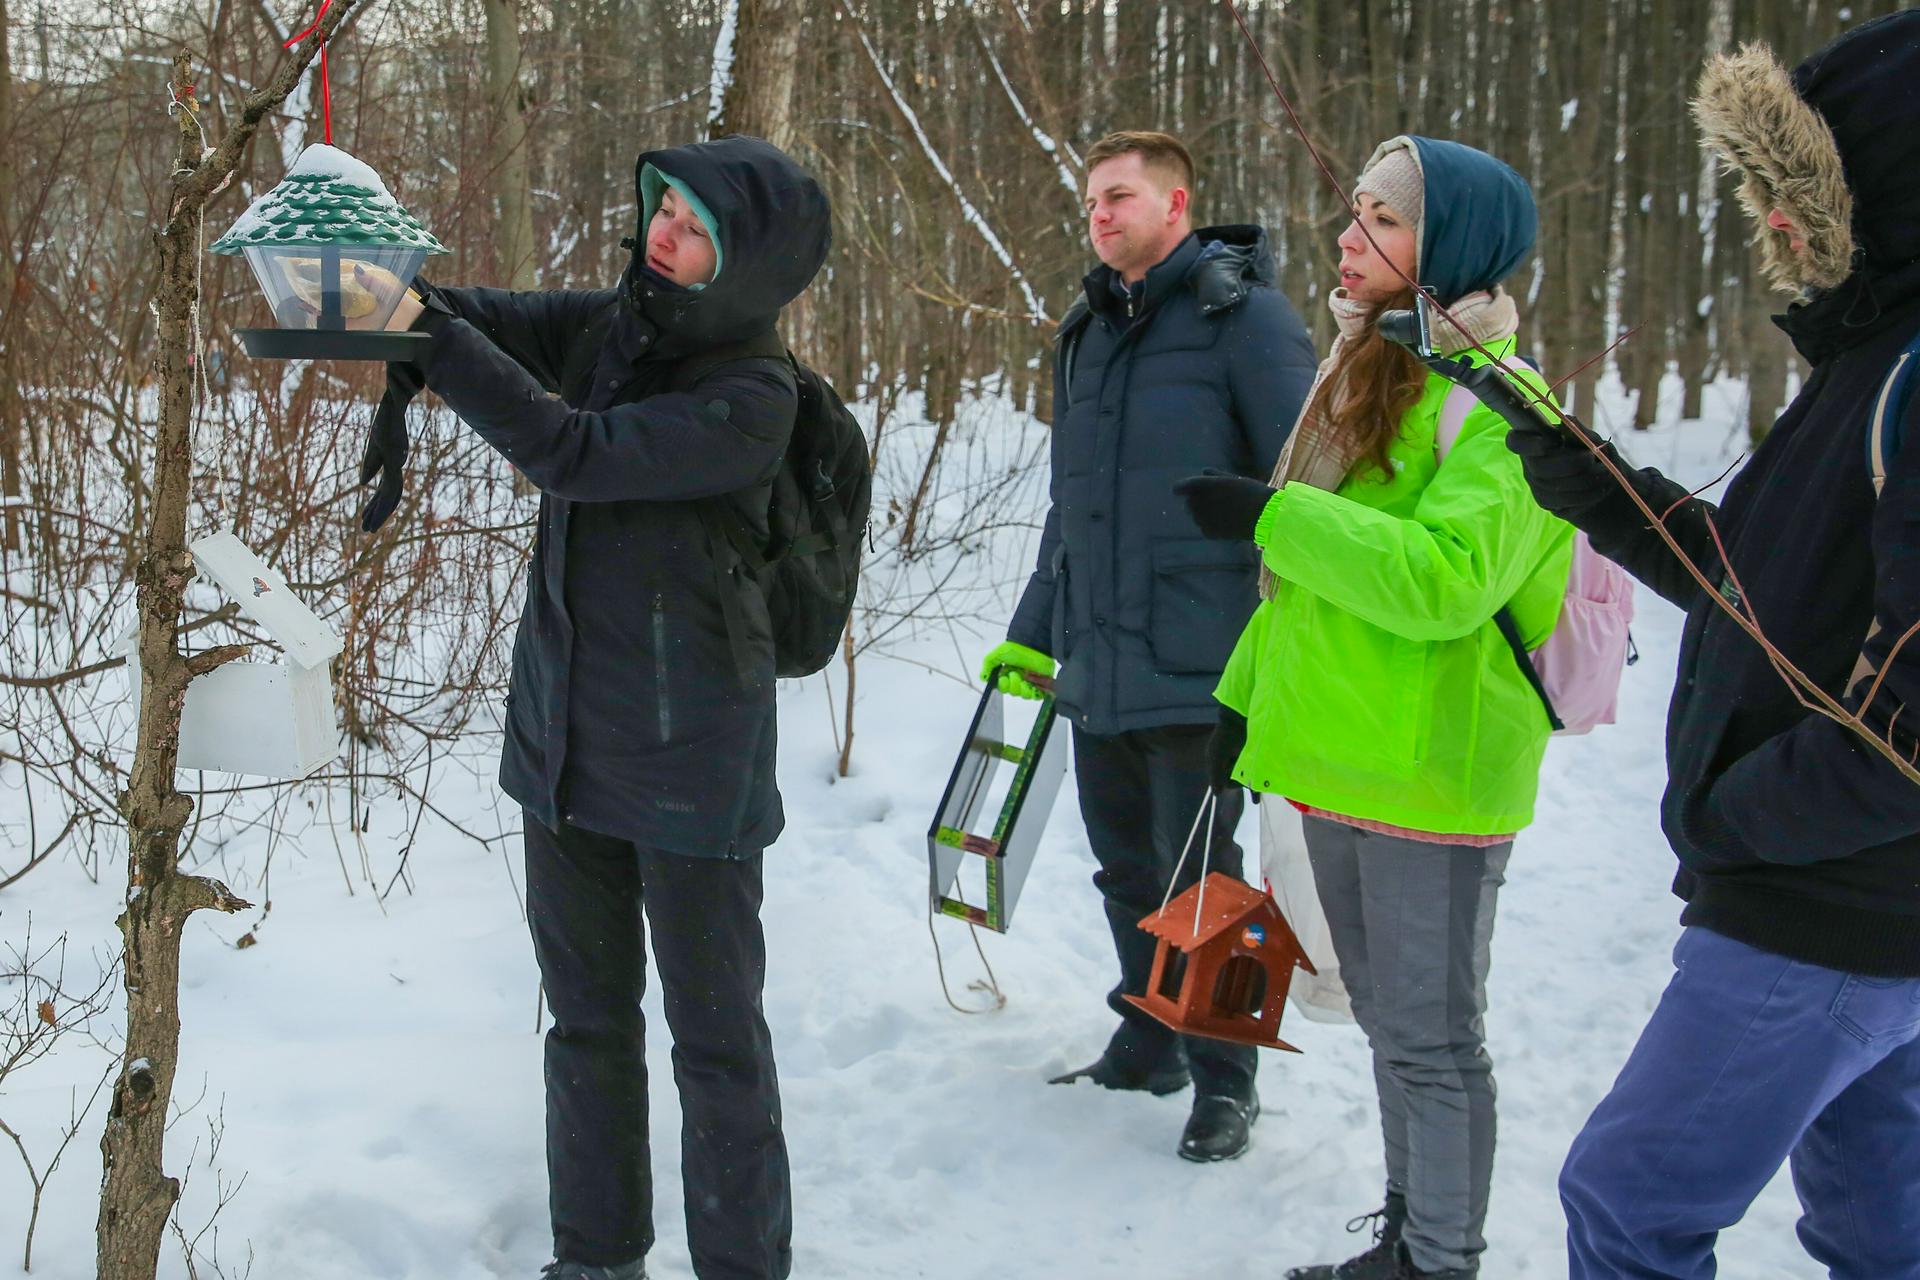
(1202, 365)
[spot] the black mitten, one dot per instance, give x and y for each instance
(1566, 477)
(1492, 387)
(1224, 506)
(1224, 747)
(387, 445)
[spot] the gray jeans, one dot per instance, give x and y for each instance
(1412, 924)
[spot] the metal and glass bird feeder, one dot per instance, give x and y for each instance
(334, 252)
(1005, 849)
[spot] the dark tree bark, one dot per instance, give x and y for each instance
(766, 54)
(10, 419)
(511, 160)
(136, 1193)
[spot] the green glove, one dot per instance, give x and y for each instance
(1015, 662)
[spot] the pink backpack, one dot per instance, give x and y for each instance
(1576, 670)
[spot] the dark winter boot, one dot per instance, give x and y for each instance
(1104, 1073)
(1381, 1261)
(635, 1270)
(1219, 1128)
(1403, 1261)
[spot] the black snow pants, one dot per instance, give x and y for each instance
(585, 895)
(1140, 793)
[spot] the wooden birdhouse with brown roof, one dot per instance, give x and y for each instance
(1225, 960)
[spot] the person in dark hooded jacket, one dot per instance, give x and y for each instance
(640, 729)
(1181, 356)
(1791, 1028)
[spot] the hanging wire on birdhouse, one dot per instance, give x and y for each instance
(1207, 808)
(326, 85)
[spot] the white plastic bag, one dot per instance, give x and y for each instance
(1321, 996)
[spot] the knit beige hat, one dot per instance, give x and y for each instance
(1393, 177)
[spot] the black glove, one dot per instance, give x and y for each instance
(1566, 477)
(387, 445)
(1223, 505)
(1224, 747)
(1493, 388)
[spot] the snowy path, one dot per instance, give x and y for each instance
(380, 1079)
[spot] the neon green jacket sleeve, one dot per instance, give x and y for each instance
(1471, 541)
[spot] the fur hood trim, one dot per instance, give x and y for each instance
(1785, 157)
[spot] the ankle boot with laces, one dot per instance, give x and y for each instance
(1407, 1271)
(1381, 1261)
(557, 1270)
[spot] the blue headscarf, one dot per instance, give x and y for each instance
(1479, 222)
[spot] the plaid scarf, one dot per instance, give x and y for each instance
(1318, 453)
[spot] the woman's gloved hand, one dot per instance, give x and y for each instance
(387, 445)
(1224, 747)
(1225, 506)
(1014, 663)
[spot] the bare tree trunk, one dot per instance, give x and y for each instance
(847, 656)
(508, 161)
(757, 98)
(10, 416)
(759, 91)
(512, 182)
(136, 1195)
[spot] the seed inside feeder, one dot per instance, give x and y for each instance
(333, 252)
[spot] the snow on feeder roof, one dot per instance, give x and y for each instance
(334, 252)
(327, 198)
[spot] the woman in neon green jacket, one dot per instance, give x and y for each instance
(1373, 687)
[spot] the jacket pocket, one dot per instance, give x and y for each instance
(662, 685)
(1202, 595)
(1062, 637)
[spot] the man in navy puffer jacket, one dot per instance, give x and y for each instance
(1181, 357)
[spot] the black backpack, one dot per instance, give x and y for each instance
(809, 568)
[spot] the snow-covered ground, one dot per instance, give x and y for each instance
(376, 1071)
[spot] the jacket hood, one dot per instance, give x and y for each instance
(1233, 258)
(1829, 144)
(1480, 219)
(771, 223)
(1219, 263)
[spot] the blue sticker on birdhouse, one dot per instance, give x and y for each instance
(1253, 935)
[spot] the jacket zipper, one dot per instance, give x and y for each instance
(664, 697)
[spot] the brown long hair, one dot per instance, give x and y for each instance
(1375, 384)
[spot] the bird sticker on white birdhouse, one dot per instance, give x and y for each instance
(266, 719)
(334, 252)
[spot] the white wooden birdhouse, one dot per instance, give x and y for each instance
(268, 719)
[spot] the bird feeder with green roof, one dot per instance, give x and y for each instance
(334, 253)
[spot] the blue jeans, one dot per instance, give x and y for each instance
(1751, 1059)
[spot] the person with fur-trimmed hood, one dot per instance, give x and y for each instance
(1791, 1028)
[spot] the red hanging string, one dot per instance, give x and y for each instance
(326, 87)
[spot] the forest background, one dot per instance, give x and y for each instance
(949, 134)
